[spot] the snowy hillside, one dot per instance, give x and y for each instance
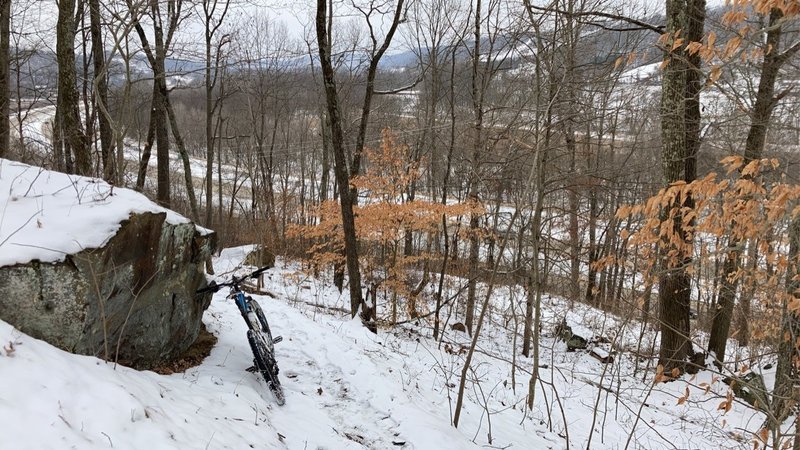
(349, 389)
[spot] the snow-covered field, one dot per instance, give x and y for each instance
(349, 389)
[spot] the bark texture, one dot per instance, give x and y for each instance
(680, 138)
(101, 93)
(5, 58)
(70, 122)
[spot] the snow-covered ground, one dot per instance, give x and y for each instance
(349, 389)
(45, 215)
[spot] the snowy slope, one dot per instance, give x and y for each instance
(349, 389)
(335, 374)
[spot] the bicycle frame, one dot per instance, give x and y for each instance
(241, 300)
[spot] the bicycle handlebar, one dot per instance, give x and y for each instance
(235, 281)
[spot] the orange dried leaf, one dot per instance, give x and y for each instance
(751, 168)
(763, 434)
(716, 72)
(694, 47)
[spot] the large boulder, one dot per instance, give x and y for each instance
(750, 387)
(261, 256)
(574, 340)
(130, 298)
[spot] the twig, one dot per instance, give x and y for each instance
(109, 439)
(20, 228)
(210, 439)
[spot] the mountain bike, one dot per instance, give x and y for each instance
(258, 333)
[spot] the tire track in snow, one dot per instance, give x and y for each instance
(324, 367)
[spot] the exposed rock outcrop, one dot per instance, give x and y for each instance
(750, 388)
(96, 269)
(261, 256)
(132, 299)
(573, 340)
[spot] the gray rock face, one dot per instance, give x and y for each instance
(574, 341)
(260, 257)
(132, 300)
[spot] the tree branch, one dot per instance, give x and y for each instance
(642, 25)
(400, 89)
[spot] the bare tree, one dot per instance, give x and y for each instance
(164, 115)
(760, 116)
(101, 92)
(5, 75)
(157, 56)
(213, 15)
(68, 117)
(347, 196)
(679, 137)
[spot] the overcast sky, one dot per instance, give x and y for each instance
(35, 20)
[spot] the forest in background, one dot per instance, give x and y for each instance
(644, 163)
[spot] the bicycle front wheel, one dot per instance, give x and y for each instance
(262, 319)
(265, 362)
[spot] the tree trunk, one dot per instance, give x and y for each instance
(786, 374)
(343, 174)
(472, 197)
(58, 140)
(187, 166)
(148, 146)
(445, 183)
(678, 134)
(593, 250)
(211, 78)
(210, 128)
(754, 147)
(157, 59)
(535, 280)
(163, 195)
(574, 245)
(723, 311)
(340, 166)
(326, 165)
(478, 326)
(101, 96)
(567, 101)
(473, 261)
(5, 94)
(527, 329)
(71, 130)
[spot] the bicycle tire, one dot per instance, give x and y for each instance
(266, 364)
(261, 317)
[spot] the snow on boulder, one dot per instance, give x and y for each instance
(98, 270)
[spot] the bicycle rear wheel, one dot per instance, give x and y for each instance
(265, 362)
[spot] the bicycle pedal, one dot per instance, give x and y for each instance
(252, 369)
(277, 339)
